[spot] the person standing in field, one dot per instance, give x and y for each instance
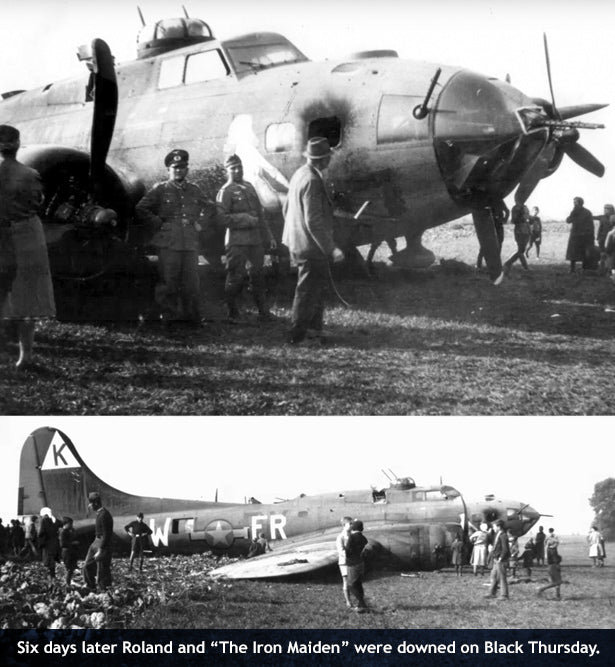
(479, 549)
(596, 547)
(308, 234)
(177, 212)
(340, 545)
(555, 573)
(606, 222)
(581, 239)
(535, 232)
(247, 236)
(139, 532)
(97, 565)
(457, 555)
(48, 542)
(520, 218)
(355, 546)
(540, 545)
(26, 289)
(68, 545)
(501, 556)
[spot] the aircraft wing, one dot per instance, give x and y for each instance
(306, 555)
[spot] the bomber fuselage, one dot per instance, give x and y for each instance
(416, 172)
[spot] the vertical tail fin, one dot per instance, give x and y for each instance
(51, 474)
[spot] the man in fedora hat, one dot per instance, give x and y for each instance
(308, 233)
(97, 565)
(177, 211)
(247, 233)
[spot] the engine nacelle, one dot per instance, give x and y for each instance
(422, 546)
(85, 238)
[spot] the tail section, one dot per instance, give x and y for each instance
(52, 474)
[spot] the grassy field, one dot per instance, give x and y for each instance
(426, 600)
(176, 592)
(442, 341)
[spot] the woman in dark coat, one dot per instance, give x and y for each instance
(48, 541)
(31, 292)
(581, 240)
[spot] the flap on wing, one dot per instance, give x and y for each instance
(286, 562)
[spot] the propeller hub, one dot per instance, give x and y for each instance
(566, 136)
(484, 143)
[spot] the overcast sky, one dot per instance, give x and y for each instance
(551, 463)
(39, 40)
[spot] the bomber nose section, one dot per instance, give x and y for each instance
(529, 517)
(483, 144)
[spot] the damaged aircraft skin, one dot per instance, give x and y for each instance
(407, 526)
(423, 143)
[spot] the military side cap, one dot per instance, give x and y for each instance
(9, 137)
(177, 157)
(94, 496)
(232, 161)
(317, 147)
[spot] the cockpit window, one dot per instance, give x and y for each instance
(396, 122)
(262, 53)
(198, 67)
(205, 66)
(171, 72)
(435, 494)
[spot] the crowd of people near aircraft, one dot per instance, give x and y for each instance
(181, 219)
(489, 546)
(593, 249)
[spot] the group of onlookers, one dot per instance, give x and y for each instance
(180, 219)
(49, 540)
(582, 239)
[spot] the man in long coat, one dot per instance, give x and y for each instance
(581, 240)
(308, 233)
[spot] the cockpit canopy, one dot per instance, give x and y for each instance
(258, 51)
(169, 34)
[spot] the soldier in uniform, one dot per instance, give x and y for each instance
(247, 232)
(177, 211)
(97, 565)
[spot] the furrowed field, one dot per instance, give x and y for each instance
(177, 592)
(442, 341)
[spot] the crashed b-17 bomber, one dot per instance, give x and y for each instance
(409, 526)
(422, 143)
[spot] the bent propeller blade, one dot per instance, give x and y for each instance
(104, 112)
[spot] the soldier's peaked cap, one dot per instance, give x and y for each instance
(177, 156)
(232, 161)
